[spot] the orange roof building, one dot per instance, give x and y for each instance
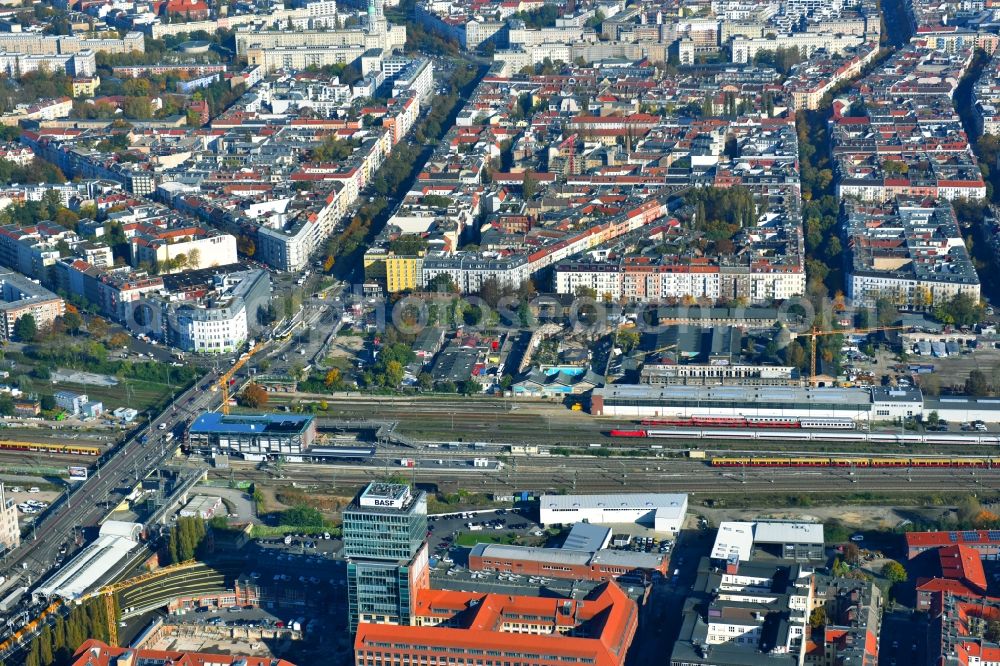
(962, 574)
(476, 628)
(984, 542)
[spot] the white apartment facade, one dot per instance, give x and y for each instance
(10, 532)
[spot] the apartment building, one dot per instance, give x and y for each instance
(19, 296)
(222, 320)
(910, 251)
(746, 612)
(10, 531)
(180, 248)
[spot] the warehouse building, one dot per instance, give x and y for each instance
(583, 556)
(743, 541)
(252, 436)
(664, 512)
(641, 400)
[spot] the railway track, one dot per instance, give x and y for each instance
(672, 476)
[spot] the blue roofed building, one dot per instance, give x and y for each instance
(252, 436)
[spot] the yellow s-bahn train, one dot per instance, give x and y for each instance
(50, 447)
(856, 461)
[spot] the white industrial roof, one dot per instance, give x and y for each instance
(739, 537)
(627, 558)
(783, 532)
(120, 528)
(733, 538)
(584, 536)
(533, 553)
(84, 571)
(636, 501)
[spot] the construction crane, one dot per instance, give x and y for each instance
(224, 380)
(108, 592)
(815, 333)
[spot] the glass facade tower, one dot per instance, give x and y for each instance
(384, 533)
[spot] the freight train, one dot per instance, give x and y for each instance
(855, 461)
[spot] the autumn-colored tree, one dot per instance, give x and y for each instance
(118, 340)
(332, 378)
(254, 396)
(894, 572)
(97, 327)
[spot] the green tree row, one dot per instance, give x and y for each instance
(186, 540)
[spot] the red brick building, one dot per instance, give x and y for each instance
(961, 574)
(985, 542)
(194, 10)
(602, 565)
(478, 629)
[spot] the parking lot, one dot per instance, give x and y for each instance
(490, 526)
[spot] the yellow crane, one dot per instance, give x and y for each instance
(108, 592)
(815, 333)
(224, 380)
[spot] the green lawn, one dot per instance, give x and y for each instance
(492, 536)
(139, 394)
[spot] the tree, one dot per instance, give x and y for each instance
(977, 384)
(64, 217)
(852, 554)
(254, 396)
(302, 515)
(45, 644)
(118, 340)
(627, 339)
(961, 310)
(992, 631)
(97, 327)
(795, 355)
(393, 374)
(332, 378)
(840, 568)
(933, 419)
(425, 381)
(25, 328)
(894, 572)
(529, 185)
(72, 321)
(491, 291)
(817, 618)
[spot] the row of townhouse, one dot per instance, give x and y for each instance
(814, 79)
(628, 280)
(290, 246)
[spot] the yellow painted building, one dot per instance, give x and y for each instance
(86, 86)
(403, 273)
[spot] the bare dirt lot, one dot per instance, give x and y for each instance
(855, 517)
